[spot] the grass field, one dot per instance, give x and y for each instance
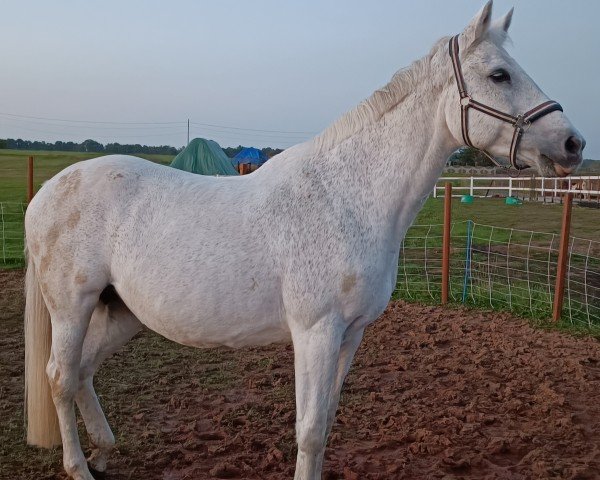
(13, 169)
(534, 216)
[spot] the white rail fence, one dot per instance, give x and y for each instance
(584, 188)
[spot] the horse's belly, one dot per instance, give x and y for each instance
(204, 333)
(208, 319)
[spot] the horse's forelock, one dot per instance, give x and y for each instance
(498, 36)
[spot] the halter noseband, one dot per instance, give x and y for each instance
(520, 122)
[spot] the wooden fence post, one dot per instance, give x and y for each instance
(446, 243)
(29, 179)
(563, 255)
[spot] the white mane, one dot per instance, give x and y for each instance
(389, 96)
(380, 102)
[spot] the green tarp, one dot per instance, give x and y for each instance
(204, 157)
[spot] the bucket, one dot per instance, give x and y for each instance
(467, 199)
(512, 201)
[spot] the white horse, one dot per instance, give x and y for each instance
(116, 243)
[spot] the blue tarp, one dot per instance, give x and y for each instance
(250, 155)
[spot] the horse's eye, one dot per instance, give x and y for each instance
(500, 76)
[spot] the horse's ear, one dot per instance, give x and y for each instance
(478, 27)
(504, 22)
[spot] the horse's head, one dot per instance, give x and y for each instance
(493, 79)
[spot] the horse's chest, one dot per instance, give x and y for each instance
(370, 296)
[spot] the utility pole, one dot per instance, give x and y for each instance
(188, 131)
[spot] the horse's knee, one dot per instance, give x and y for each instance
(63, 384)
(311, 438)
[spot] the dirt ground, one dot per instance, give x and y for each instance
(434, 393)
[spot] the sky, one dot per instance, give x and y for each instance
(260, 73)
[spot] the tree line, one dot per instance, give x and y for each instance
(86, 146)
(94, 146)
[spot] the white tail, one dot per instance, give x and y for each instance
(42, 422)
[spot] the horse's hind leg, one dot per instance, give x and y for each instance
(112, 326)
(69, 326)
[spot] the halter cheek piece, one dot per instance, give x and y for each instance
(520, 122)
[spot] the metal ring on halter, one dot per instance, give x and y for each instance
(521, 123)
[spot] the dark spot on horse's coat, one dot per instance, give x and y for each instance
(80, 278)
(109, 295)
(47, 297)
(73, 219)
(348, 283)
(51, 239)
(114, 175)
(69, 184)
(52, 236)
(35, 248)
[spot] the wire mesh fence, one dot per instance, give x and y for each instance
(501, 268)
(12, 215)
(420, 265)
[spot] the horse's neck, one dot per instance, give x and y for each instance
(390, 166)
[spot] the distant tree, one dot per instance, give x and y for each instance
(233, 151)
(271, 152)
(90, 145)
(2, 143)
(469, 157)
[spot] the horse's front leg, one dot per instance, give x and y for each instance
(350, 343)
(316, 351)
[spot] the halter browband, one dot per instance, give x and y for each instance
(520, 122)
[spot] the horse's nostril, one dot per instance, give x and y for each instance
(574, 144)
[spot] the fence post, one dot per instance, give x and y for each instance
(446, 243)
(29, 179)
(467, 277)
(510, 186)
(543, 191)
(563, 253)
(471, 187)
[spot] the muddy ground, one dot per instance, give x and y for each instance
(434, 393)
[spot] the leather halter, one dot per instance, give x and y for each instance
(519, 122)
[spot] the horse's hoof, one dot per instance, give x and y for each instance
(96, 474)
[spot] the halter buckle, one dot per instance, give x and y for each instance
(521, 123)
(466, 100)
